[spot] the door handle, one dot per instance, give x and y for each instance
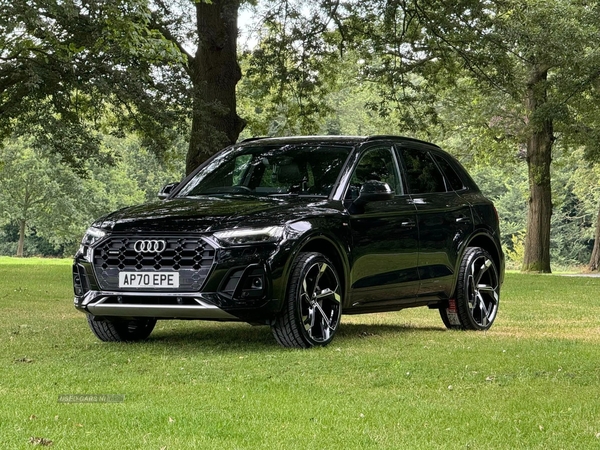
(408, 223)
(463, 219)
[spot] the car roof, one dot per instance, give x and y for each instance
(329, 139)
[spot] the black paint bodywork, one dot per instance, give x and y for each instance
(390, 254)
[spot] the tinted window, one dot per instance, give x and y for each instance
(422, 174)
(376, 164)
(451, 175)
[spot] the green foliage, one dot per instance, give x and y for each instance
(516, 251)
(58, 203)
(290, 72)
(352, 113)
(39, 191)
(65, 66)
(576, 195)
(34, 244)
(528, 66)
(72, 73)
(394, 55)
(507, 187)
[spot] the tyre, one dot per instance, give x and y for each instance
(115, 330)
(313, 308)
(477, 294)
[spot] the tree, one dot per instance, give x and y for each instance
(585, 132)
(212, 68)
(45, 197)
(594, 263)
(64, 65)
(38, 192)
(62, 61)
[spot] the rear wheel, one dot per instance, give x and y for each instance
(117, 330)
(313, 308)
(477, 293)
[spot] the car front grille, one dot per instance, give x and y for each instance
(191, 257)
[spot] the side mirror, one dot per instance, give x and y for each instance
(373, 191)
(166, 190)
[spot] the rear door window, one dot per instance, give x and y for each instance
(422, 173)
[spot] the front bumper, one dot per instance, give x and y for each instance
(242, 284)
(170, 306)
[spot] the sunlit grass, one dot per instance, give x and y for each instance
(395, 380)
(35, 261)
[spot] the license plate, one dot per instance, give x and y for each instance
(148, 280)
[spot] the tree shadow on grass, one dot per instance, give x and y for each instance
(241, 336)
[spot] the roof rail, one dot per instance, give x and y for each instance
(254, 138)
(377, 137)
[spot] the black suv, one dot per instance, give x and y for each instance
(290, 232)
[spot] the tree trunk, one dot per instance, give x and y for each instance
(214, 73)
(21, 244)
(595, 259)
(539, 157)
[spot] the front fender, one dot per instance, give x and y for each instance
(305, 236)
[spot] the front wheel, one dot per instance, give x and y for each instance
(477, 293)
(117, 330)
(313, 308)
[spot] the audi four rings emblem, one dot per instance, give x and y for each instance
(149, 246)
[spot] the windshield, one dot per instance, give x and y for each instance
(272, 170)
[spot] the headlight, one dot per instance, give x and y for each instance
(92, 235)
(241, 236)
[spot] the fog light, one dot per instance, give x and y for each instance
(77, 288)
(249, 283)
(257, 283)
(80, 283)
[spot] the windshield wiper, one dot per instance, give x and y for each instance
(296, 194)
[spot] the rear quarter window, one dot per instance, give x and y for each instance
(456, 183)
(465, 179)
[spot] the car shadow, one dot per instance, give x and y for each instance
(241, 336)
(227, 337)
(359, 330)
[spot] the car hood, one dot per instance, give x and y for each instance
(209, 214)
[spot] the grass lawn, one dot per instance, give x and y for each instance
(395, 380)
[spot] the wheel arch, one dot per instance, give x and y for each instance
(486, 242)
(329, 247)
